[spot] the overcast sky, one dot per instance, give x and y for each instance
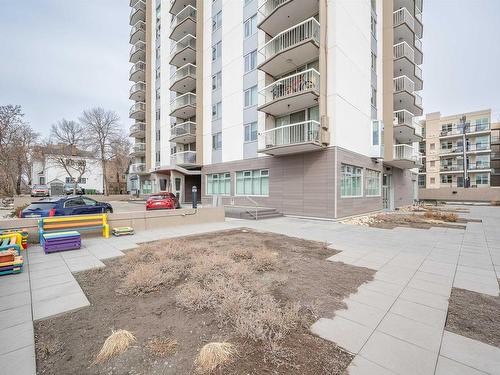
(59, 57)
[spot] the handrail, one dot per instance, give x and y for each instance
(187, 127)
(186, 12)
(256, 205)
(138, 66)
(300, 132)
(403, 15)
(184, 71)
(186, 41)
(270, 6)
(182, 100)
(184, 157)
(403, 49)
(138, 86)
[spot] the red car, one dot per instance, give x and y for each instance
(162, 201)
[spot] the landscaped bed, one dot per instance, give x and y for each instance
(253, 294)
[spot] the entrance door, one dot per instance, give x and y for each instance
(386, 192)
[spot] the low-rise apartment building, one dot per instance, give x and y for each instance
(460, 151)
(306, 106)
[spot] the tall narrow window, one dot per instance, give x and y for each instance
(217, 141)
(351, 181)
(250, 26)
(251, 96)
(216, 51)
(217, 21)
(250, 61)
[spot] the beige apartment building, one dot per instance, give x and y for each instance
(460, 151)
(304, 106)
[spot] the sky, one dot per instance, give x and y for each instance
(60, 57)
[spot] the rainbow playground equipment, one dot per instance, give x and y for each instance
(11, 260)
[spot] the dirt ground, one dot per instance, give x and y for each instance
(68, 344)
(474, 315)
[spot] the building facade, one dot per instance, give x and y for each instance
(461, 151)
(306, 106)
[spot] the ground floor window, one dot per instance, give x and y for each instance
(351, 181)
(446, 179)
(252, 182)
(219, 184)
(372, 181)
(482, 179)
(421, 180)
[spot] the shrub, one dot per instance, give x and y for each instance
(143, 278)
(264, 260)
(193, 297)
(162, 347)
(115, 344)
(443, 216)
(213, 355)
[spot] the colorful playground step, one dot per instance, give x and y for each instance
(13, 266)
(22, 232)
(61, 241)
(121, 231)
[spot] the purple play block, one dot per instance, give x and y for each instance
(61, 244)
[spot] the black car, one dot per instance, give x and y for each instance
(70, 187)
(64, 206)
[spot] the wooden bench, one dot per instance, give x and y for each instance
(65, 223)
(11, 241)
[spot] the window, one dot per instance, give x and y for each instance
(82, 180)
(374, 97)
(377, 128)
(157, 156)
(157, 94)
(217, 21)
(251, 132)
(421, 180)
(89, 202)
(251, 96)
(216, 110)
(41, 180)
(250, 26)
(372, 181)
(247, 2)
(252, 182)
(351, 181)
(217, 141)
(157, 114)
(482, 179)
(217, 81)
(482, 124)
(433, 163)
(446, 179)
(76, 202)
(219, 184)
(374, 62)
(216, 51)
(433, 146)
(69, 180)
(250, 61)
(373, 26)
(433, 180)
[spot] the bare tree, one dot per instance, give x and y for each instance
(101, 127)
(68, 132)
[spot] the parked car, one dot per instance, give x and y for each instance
(64, 206)
(161, 201)
(40, 191)
(68, 189)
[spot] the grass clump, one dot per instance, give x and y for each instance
(115, 344)
(163, 347)
(213, 355)
(442, 216)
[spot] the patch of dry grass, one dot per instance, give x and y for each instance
(213, 355)
(115, 344)
(162, 347)
(443, 216)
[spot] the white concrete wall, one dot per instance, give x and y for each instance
(349, 74)
(206, 121)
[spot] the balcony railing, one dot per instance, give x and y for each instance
(270, 6)
(188, 70)
(138, 148)
(184, 157)
(453, 131)
(418, 72)
(478, 166)
(404, 117)
(451, 167)
(407, 152)
(418, 44)
(183, 129)
(292, 85)
(467, 128)
(478, 147)
(451, 150)
(418, 99)
(139, 66)
(139, 26)
(137, 107)
(403, 49)
(308, 29)
(138, 127)
(401, 16)
(139, 46)
(139, 86)
(403, 83)
(182, 101)
(302, 132)
(139, 6)
(137, 168)
(187, 41)
(188, 12)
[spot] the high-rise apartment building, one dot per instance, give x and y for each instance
(461, 151)
(306, 106)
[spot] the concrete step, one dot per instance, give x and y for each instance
(249, 213)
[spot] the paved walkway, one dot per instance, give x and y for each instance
(393, 324)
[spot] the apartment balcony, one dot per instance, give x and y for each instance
(138, 72)
(291, 139)
(138, 52)
(291, 48)
(451, 151)
(184, 159)
(479, 129)
(406, 129)
(138, 12)
(183, 23)
(278, 15)
(406, 157)
(495, 140)
(138, 92)
(404, 64)
(290, 94)
(183, 133)
(183, 106)
(479, 167)
(138, 111)
(478, 148)
(408, 29)
(451, 168)
(184, 51)
(183, 80)
(470, 130)
(137, 168)
(405, 97)
(138, 32)
(138, 149)
(137, 130)
(177, 5)
(495, 155)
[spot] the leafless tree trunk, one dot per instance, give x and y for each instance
(102, 127)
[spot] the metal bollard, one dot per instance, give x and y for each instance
(194, 190)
